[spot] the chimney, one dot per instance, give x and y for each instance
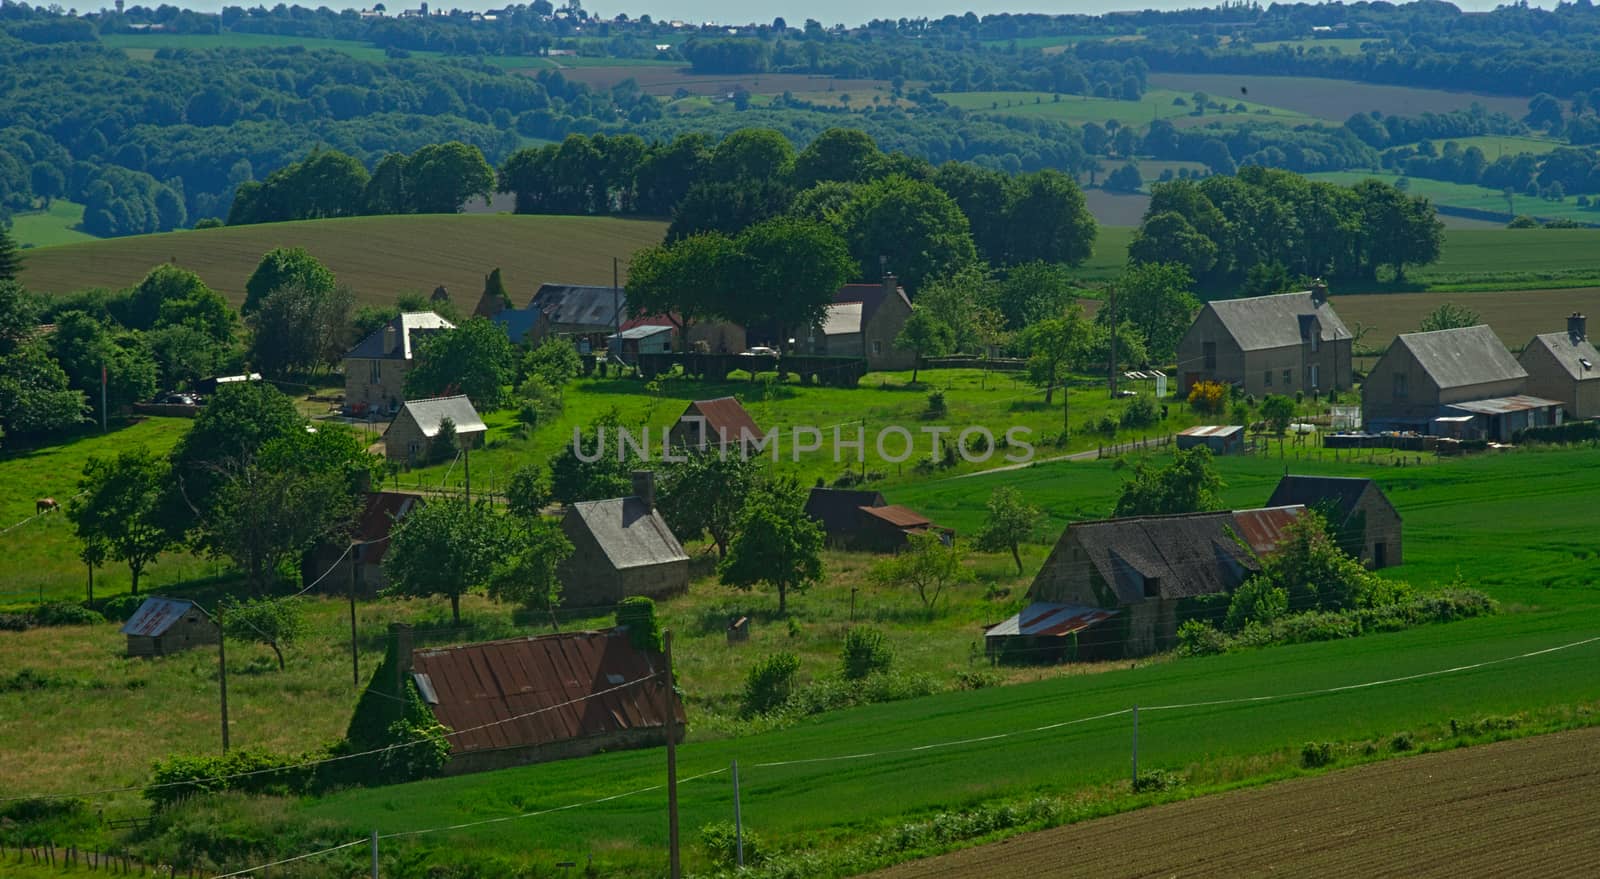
(644, 487)
(1319, 291)
(890, 283)
(391, 338)
(400, 642)
(1577, 327)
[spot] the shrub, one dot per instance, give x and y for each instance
(180, 777)
(424, 758)
(121, 607)
(27, 679)
(1198, 639)
(40, 820)
(638, 613)
(1255, 601)
(15, 622)
(721, 842)
(63, 613)
(1107, 425)
(976, 680)
(1157, 781)
(1401, 742)
(1316, 754)
(1141, 412)
(769, 683)
(1208, 397)
(1483, 725)
(865, 652)
(936, 404)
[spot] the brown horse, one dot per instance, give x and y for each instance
(44, 505)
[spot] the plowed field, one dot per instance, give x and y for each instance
(1522, 808)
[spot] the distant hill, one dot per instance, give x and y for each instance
(378, 257)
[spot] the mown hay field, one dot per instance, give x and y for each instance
(1515, 315)
(1334, 99)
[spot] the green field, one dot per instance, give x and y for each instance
(1481, 198)
(1156, 104)
(1341, 45)
(1496, 145)
(1335, 99)
(56, 225)
(378, 257)
(144, 47)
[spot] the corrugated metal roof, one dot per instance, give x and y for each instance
(1263, 322)
(842, 319)
(1046, 618)
(582, 306)
(724, 417)
(430, 414)
(1212, 430)
(1266, 528)
(379, 513)
(479, 684)
(898, 516)
(158, 614)
(642, 331)
(1576, 355)
(631, 534)
(1502, 405)
(1462, 356)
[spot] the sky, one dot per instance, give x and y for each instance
(828, 12)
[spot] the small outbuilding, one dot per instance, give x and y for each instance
(330, 564)
(864, 520)
(621, 547)
(719, 423)
(1221, 439)
(162, 626)
(838, 511)
(888, 528)
(642, 339)
(1369, 525)
(410, 436)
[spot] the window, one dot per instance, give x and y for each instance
(1316, 377)
(1266, 378)
(877, 347)
(1210, 350)
(1400, 390)
(1288, 378)
(1152, 587)
(1316, 342)
(374, 372)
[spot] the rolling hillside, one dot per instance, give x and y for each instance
(377, 256)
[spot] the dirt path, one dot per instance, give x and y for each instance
(1522, 808)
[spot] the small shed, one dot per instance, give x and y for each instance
(838, 510)
(642, 339)
(719, 423)
(410, 437)
(162, 626)
(1223, 439)
(887, 528)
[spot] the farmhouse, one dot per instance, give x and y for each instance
(864, 520)
(1268, 345)
(163, 626)
(719, 423)
(375, 369)
(1369, 525)
(863, 321)
(1461, 381)
(535, 699)
(621, 547)
(1565, 367)
(1136, 571)
(410, 437)
(332, 563)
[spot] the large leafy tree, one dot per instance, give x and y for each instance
(439, 178)
(1402, 230)
(924, 335)
(84, 346)
(237, 422)
(1032, 292)
(1155, 298)
(964, 303)
(275, 622)
(1448, 316)
(706, 494)
(119, 509)
(1168, 237)
(843, 154)
(299, 328)
(35, 399)
(283, 267)
(778, 545)
(1189, 484)
(1047, 219)
(474, 358)
(752, 154)
(448, 547)
(787, 272)
(529, 577)
(687, 280)
(913, 226)
(1053, 345)
(173, 296)
(1009, 522)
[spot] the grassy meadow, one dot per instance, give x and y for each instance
(57, 224)
(378, 257)
(1334, 99)
(143, 47)
(1155, 104)
(1480, 198)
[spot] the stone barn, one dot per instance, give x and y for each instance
(621, 547)
(162, 626)
(1368, 524)
(410, 436)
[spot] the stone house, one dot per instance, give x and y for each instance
(1269, 345)
(1136, 571)
(410, 436)
(1462, 381)
(863, 321)
(1565, 367)
(375, 369)
(163, 626)
(535, 699)
(1368, 523)
(621, 547)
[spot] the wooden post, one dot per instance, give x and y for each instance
(374, 854)
(670, 717)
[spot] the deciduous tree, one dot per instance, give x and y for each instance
(1008, 523)
(475, 359)
(926, 564)
(446, 547)
(1189, 484)
(778, 545)
(119, 509)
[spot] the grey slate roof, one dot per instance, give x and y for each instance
(1263, 322)
(1346, 492)
(578, 305)
(1571, 354)
(412, 327)
(631, 534)
(430, 413)
(1190, 554)
(1462, 357)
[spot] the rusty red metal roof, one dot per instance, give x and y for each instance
(724, 417)
(158, 614)
(382, 509)
(898, 516)
(1264, 529)
(479, 688)
(1046, 618)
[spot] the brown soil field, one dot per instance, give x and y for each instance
(1515, 315)
(1523, 808)
(1335, 99)
(667, 81)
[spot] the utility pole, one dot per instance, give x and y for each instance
(1113, 290)
(670, 716)
(355, 658)
(616, 309)
(222, 674)
(374, 854)
(466, 465)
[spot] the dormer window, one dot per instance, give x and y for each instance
(1152, 587)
